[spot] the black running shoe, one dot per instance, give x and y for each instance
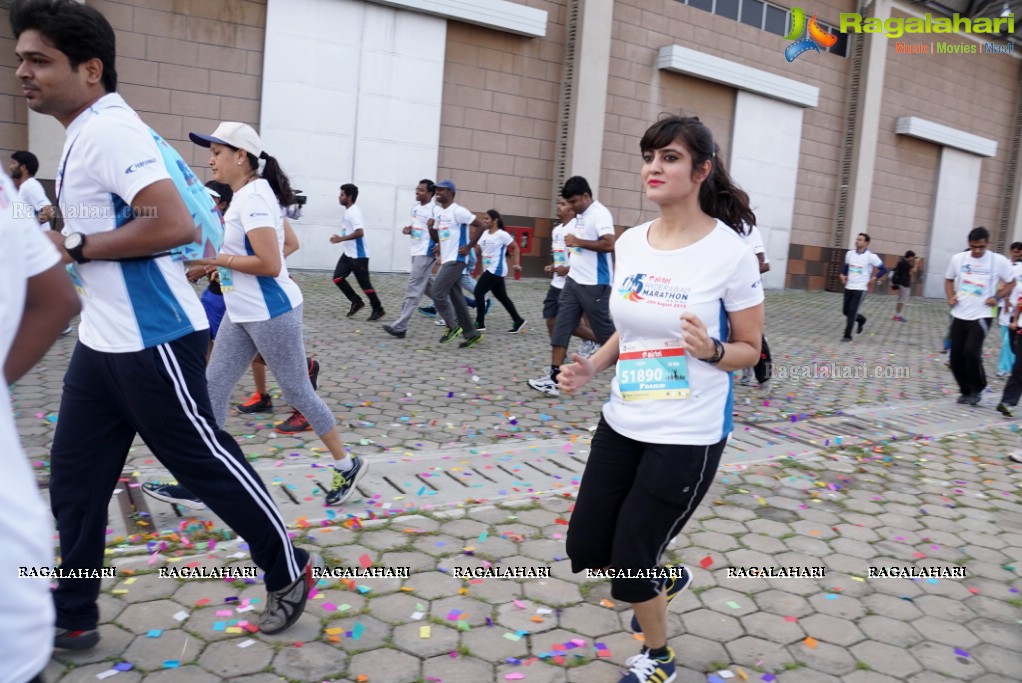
(376, 315)
(313, 373)
(343, 485)
(356, 307)
(173, 494)
(256, 403)
(66, 639)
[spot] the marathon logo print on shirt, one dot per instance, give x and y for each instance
(657, 290)
(975, 280)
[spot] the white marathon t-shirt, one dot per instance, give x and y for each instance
(860, 268)
(252, 298)
(33, 196)
(592, 267)
(451, 225)
(1009, 305)
(559, 252)
(754, 238)
(109, 157)
(717, 275)
(493, 246)
(352, 221)
(421, 213)
(25, 521)
(976, 280)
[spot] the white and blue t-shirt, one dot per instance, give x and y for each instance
(253, 298)
(590, 267)
(559, 253)
(452, 227)
(493, 245)
(109, 157)
(352, 221)
(860, 268)
(34, 199)
(421, 242)
(717, 275)
(975, 281)
(26, 525)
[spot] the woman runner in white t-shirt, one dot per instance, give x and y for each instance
(495, 245)
(688, 308)
(264, 306)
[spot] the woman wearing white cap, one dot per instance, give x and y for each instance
(264, 306)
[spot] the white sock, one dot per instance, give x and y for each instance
(344, 465)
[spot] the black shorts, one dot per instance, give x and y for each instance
(634, 498)
(550, 302)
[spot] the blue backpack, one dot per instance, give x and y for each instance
(209, 222)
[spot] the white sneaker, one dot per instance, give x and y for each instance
(1015, 456)
(588, 348)
(68, 331)
(545, 385)
(439, 322)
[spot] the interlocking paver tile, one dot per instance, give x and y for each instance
(151, 653)
(87, 674)
(456, 669)
(772, 627)
(425, 640)
(886, 658)
(752, 651)
(590, 620)
(385, 665)
(184, 674)
(310, 662)
(824, 657)
(374, 633)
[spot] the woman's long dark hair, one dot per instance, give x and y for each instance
(495, 216)
(719, 196)
(275, 176)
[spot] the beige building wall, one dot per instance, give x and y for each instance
(183, 64)
(975, 93)
(13, 110)
(500, 113)
(639, 92)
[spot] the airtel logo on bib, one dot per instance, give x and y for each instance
(141, 164)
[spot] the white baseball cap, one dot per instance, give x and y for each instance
(233, 134)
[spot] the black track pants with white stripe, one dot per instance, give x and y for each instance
(160, 394)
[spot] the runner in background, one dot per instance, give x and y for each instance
(495, 244)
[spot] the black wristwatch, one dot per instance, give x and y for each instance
(73, 244)
(718, 353)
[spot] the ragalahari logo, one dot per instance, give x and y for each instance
(817, 38)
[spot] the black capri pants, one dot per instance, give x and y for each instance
(634, 498)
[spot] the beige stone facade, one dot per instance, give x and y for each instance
(187, 64)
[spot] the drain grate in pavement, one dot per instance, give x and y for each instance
(751, 442)
(931, 418)
(819, 432)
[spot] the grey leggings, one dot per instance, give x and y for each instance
(279, 341)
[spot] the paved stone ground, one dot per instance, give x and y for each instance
(843, 474)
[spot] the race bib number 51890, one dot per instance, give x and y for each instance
(650, 370)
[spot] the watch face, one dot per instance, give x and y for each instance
(73, 241)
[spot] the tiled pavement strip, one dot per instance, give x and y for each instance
(839, 473)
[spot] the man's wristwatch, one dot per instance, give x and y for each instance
(73, 244)
(718, 353)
